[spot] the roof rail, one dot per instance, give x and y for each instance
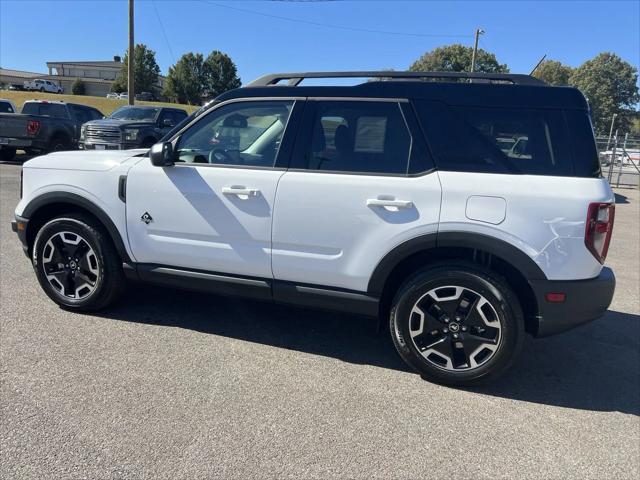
(294, 79)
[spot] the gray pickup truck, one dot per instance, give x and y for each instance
(43, 126)
(130, 127)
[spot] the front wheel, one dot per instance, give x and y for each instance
(76, 263)
(457, 324)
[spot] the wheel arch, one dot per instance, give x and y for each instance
(483, 250)
(46, 206)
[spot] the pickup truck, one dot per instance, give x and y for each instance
(43, 126)
(39, 85)
(130, 127)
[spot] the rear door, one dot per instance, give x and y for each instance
(360, 183)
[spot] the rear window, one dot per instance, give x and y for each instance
(497, 140)
(48, 109)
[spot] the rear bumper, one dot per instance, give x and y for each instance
(586, 300)
(22, 143)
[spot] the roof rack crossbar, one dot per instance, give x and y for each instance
(294, 79)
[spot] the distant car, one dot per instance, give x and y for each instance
(43, 126)
(145, 96)
(130, 127)
(113, 95)
(15, 87)
(124, 95)
(7, 106)
(39, 85)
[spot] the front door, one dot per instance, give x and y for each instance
(212, 210)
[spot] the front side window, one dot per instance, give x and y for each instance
(239, 134)
(358, 136)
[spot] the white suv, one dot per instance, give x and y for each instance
(401, 200)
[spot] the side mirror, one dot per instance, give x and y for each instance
(167, 122)
(161, 154)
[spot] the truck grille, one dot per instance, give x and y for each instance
(102, 133)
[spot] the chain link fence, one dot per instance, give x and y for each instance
(620, 159)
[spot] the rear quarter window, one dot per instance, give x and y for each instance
(497, 140)
(583, 144)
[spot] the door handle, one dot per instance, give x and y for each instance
(379, 202)
(240, 191)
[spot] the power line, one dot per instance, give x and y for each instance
(329, 25)
(164, 33)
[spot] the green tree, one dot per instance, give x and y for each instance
(457, 58)
(610, 85)
(77, 87)
(553, 72)
(220, 74)
(185, 81)
(145, 69)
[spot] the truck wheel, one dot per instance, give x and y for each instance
(7, 154)
(41, 89)
(76, 263)
(457, 324)
(58, 143)
(148, 142)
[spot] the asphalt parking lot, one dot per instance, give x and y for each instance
(170, 384)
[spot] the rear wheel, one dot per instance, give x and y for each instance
(76, 263)
(58, 143)
(457, 324)
(7, 154)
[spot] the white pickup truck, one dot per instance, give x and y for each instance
(39, 85)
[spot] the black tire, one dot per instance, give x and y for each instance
(109, 280)
(7, 154)
(41, 89)
(148, 142)
(465, 366)
(58, 143)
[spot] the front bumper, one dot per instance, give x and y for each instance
(107, 146)
(19, 226)
(585, 300)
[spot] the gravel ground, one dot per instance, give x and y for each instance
(179, 385)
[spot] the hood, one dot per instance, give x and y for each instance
(113, 122)
(96, 161)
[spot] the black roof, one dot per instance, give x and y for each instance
(512, 92)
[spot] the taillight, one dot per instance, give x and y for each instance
(599, 226)
(33, 126)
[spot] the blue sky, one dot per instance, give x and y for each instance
(519, 33)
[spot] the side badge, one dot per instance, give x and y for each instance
(146, 218)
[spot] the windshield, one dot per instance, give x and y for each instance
(135, 113)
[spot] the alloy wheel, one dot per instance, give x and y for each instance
(70, 265)
(455, 328)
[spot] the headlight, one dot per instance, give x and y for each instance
(83, 128)
(130, 134)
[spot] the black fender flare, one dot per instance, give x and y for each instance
(496, 247)
(74, 199)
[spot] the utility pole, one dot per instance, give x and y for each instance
(130, 67)
(479, 32)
